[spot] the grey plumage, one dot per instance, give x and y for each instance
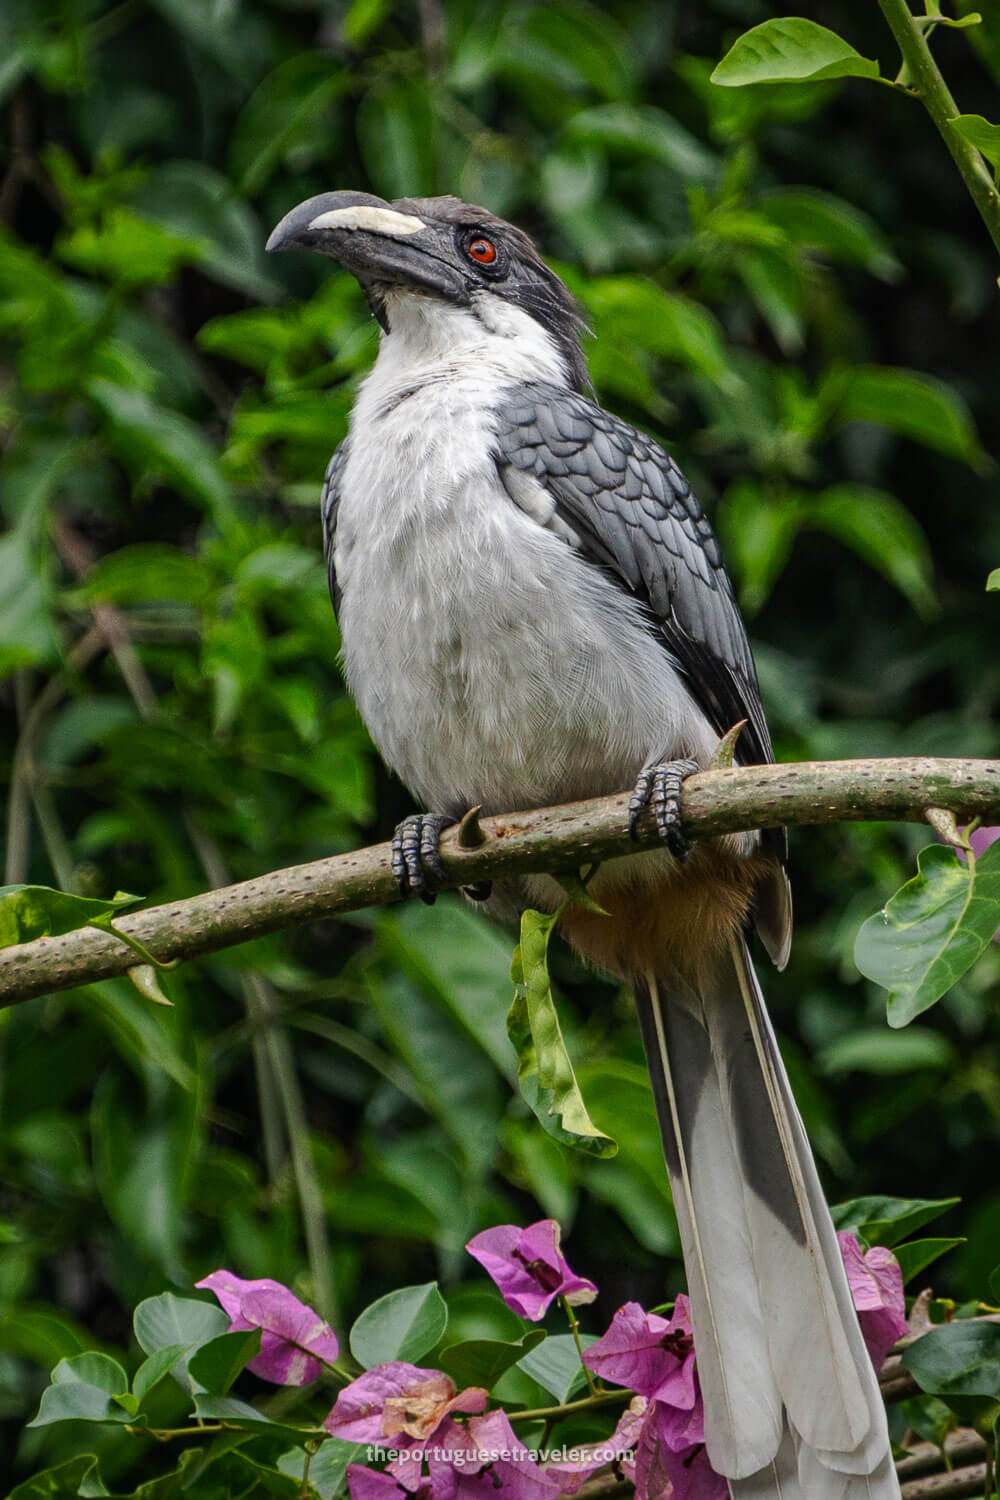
(534, 608)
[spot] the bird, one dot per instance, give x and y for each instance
(534, 609)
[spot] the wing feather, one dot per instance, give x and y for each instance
(636, 516)
(329, 501)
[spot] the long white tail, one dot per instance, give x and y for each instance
(792, 1405)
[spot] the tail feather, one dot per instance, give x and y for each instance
(742, 1413)
(792, 1405)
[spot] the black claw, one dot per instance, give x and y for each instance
(416, 862)
(659, 787)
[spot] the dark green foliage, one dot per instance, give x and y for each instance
(789, 289)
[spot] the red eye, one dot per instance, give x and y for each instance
(482, 250)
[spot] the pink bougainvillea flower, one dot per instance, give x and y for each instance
(648, 1354)
(981, 839)
(876, 1283)
(399, 1400)
(529, 1268)
(369, 1484)
(507, 1464)
(660, 1471)
(656, 1358)
(295, 1342)
(571, 1472)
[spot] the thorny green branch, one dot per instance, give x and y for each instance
(553, 839)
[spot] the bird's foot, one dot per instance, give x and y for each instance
(659, 787)
(416, 860)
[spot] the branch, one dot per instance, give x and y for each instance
(552, 839)
(932, 91)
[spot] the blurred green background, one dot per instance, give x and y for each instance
(789, 289)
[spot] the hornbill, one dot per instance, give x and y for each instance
(534, 609)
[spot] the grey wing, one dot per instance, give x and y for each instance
(628, 507)
(329, 501)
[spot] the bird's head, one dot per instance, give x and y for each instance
(445, 252)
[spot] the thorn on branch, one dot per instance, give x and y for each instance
(470, 831)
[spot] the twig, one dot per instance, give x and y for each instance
(954, 1485)
(554, 839)
(925, 80)
(963, 1446)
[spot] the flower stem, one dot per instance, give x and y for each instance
(544, 1413)
(575, 1330)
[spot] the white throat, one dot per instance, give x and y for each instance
(429, 339)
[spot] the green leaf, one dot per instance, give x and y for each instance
(995, 1283)
(645, 131)
(86, 1388)
(758, 531)
(886, 1221)
(979, 133)
(930, 1418)
(958, 1359)
(215, 1365)
(328, 1467)
(139, 575)
(288, 115)
(153, 1369)
(917, 1255)
(153, 440)
(27, 633)
(32, 911)
(993, 581)
(65, 1481)
(790, 49)
(912, 405)
(401, 1325)
(129, 249)
(824, 223)
(481, 1362)
(932, 930)
(164, 1321)
(556, 1364)
(880, 529)
(545, 1072)
(242, 1414)
(873, 1049)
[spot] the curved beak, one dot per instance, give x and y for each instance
(377, 243)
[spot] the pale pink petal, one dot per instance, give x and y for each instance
(295, 1341)
(876, 1283)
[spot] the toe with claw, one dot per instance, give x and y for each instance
(659, 786)
(416, 860)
